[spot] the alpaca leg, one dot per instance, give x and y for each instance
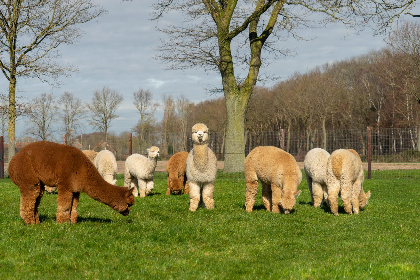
(127, 178)
(208, 193)
(317, 194)
(135, 186)
(250, 194)
(142, 188)
(267, 196)
(355, 197)
(194, 195)
(30, 199)
(325, 193)
(149, 186)
(74, 215)
(64, 206)
(333, 190)
(275, 198)
(186, 187)
(346, 195)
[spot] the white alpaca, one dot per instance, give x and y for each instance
(315, 166)
(106, 163)
(201, 169)
(139, 172)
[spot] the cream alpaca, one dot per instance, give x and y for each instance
(345, 176)
(106, 163)
(315, 166)
(280, 177)
(140, 170)
(201, 169)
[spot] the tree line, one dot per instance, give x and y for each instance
(379, 89)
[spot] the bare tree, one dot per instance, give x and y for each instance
(215, 31)
(104, 104)
(72, 111)
(406, 39)
(42, 115)
(31, 32)
(183, 110)
(168, 122)
(143, 100)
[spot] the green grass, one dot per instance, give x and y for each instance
(161, 239)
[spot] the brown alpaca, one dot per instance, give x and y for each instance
(89, 153)
(46, 163)
(176, 170)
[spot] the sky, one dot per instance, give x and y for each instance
(119, 49)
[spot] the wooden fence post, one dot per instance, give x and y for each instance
(369, 151)
(282, 139)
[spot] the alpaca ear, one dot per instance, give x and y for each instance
(298, 193)
(368, 195)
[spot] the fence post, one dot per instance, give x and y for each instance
(65, 139)
(282, 139)
(130, 144)
(1, 158)
(369, 151)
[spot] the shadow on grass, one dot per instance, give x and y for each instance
(80, 219)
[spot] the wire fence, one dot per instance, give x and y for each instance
(396, 150)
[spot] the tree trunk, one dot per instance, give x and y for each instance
(235, 134)
(12, 117)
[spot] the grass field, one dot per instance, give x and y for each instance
(161, 239)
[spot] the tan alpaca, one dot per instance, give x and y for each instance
(67, 168)
(280, 177)
(90, 154)
(201, 169)
(345, 177)
(176, 170)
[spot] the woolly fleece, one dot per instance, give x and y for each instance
(90, 154)
(176, 169)
(139, 172)
(345, 177)
(106, 163)
(201, 169)
(315, 167)
(280, 177)
(46, 163)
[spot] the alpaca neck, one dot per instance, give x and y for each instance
(102, 191)
(151, 166)
(200, 156)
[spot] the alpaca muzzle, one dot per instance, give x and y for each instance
(125, 212)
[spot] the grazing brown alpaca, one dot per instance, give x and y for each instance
(176, 170)
(46, 163)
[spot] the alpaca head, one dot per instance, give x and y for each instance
(288, 201)
(175, 184)
(363, 199)
(200, 134)
(153, 152)
(124, 208)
